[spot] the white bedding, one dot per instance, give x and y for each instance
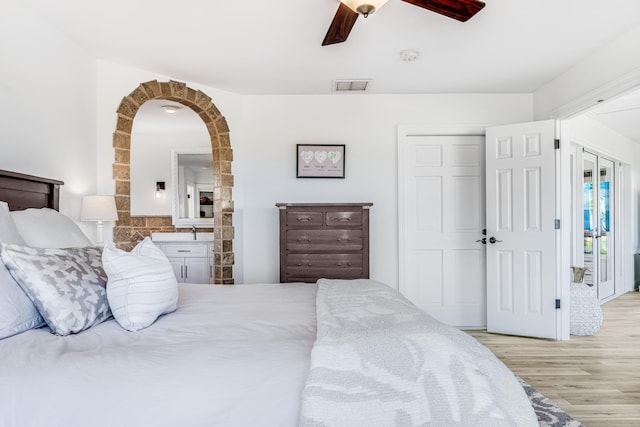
(386, 363)
(240, 355)
(228, 356)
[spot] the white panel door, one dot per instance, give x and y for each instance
(521, 235)
(442, 217)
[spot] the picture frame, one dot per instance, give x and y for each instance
(320, 160)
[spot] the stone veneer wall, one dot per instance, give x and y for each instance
(131, 229)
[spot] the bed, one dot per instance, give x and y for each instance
(335, 353)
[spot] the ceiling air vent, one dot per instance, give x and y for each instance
(350, 85)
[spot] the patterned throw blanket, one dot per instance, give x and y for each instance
(380, 361)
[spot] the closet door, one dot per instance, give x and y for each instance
(442, 261)
(598, 223)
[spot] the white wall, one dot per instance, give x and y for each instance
(47, 113)
(367, 124)
(264, 131)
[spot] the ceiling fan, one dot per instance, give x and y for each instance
(349, 10)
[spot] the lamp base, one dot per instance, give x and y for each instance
(99, 234)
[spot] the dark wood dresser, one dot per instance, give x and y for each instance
(324, 240)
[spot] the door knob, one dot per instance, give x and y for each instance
(494, 240)
(483, 240)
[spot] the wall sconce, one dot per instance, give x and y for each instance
(160, 187)
(98, 209)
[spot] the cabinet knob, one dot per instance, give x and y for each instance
(309, 265)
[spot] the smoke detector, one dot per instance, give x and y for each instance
(409, 55)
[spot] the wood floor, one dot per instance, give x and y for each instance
(596, 379)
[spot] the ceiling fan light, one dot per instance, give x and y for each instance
(364, 7)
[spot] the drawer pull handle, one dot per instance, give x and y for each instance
(304, 240)
(304, 218)
(184, 250)
(341, 218)
(343, 240)
(340, 265)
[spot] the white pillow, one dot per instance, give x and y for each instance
(141, 285)
(67, 286)
(17, 312)
(48, 228)
(8, 231)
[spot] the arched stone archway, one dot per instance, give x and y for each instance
(129, 230)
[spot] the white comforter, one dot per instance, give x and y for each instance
(380, 361)
(228, 356)
(239, 356)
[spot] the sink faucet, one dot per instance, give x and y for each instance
(193, 230)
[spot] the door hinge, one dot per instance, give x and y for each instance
(556, 144)
(557, 224)
(557, 304)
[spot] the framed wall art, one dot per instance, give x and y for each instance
(320, 160)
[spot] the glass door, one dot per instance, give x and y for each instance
(598, 220)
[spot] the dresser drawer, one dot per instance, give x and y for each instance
(186, 250)
(311, 275)
(318, 240)
(333, 261)
(304, 218)
(343, 218)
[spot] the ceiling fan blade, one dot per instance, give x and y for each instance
(460, 10)
(341, 25)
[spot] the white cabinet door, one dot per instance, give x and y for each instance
(521, 234)
(192, 262)
(196, 270)
(178, 268)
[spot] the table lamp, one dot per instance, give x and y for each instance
(98, 209)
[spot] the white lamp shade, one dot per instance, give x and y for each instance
(98, 208)
(353, 4)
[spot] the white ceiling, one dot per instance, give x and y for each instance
(274, 47)
(152, 118)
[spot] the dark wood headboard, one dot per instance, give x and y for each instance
(22, 191)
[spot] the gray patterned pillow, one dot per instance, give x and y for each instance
(67, 286)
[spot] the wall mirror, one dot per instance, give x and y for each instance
(160, 139)
(191, 170)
